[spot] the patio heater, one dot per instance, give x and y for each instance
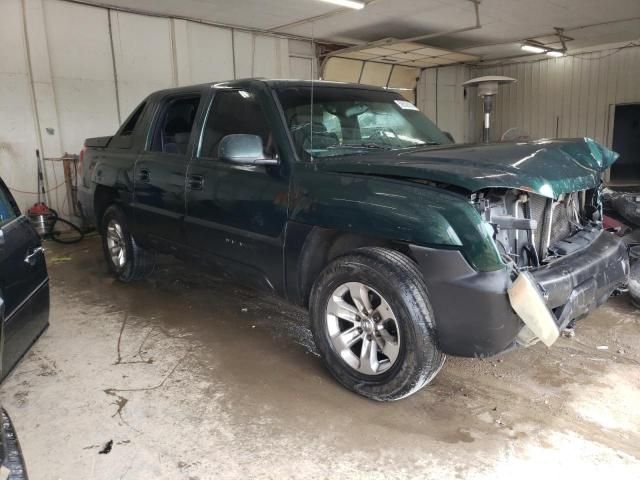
(487, 89)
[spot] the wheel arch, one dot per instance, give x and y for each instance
(103, 197)
(323, 245)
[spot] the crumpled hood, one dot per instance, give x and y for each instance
(546, 167)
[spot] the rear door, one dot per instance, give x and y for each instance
(159, 177)
(24, 284)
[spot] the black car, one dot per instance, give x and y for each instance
(24, 310)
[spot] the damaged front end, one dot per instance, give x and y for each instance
(562, 264)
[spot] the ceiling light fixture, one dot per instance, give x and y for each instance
(534, 47)
(355, 4)
(527, 47)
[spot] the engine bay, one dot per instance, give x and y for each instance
(531, 230)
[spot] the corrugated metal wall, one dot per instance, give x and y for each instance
(564, 97)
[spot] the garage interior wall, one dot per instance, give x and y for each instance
(70, 71)
(572, 96)
(441, 97)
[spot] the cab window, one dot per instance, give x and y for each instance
(174, 124)
(235, 112)
(8, 210)
(129, 127)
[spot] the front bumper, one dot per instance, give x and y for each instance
(473, 315)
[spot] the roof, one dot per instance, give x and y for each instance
(271, 83)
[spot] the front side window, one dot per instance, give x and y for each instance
(235, 112)
(350, 121)
(174, 125)
(7, 207)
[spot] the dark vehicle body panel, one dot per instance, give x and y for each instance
(24, 309)
(24, 288)
(269, 225)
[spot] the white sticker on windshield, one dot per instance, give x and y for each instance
(403, 104)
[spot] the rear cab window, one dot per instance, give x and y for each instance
(129, 127)
(124, 138)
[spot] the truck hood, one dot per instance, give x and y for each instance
(547, 167)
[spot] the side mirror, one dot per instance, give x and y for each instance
(449, 136)
(244, 149)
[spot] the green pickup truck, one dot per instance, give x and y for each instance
(346, 199)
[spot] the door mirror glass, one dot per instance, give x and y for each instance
(244, 149)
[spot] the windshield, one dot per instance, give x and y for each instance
(353, 121)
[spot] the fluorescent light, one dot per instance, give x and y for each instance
(555, 53)
(532, 48)
(355, 4)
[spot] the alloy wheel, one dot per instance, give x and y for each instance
(116, 244)
(362, 328)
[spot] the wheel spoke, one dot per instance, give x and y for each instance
(348, 338)
(369, 357)
(388, 344)
(360, 295)
(364, 298)
(342, 309)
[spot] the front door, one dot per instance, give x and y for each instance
(236, 214)
(159, 178)
(24, 284)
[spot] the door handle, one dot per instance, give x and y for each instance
(195, 182)
(30, 259)
(144, 175)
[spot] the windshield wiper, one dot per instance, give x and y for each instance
(359, 146)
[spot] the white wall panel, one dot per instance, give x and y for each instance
(79, 73)
(567, 97)
(441, 98)
(17, 124)
(68, 90)
(210, 53)
(260, 56)
(301, 68)
(144, 58)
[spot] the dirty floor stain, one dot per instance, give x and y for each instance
(193, 377)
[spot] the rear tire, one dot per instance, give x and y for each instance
(127, 261)
(375, 301)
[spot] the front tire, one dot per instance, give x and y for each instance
(127, 261)
(373, 324)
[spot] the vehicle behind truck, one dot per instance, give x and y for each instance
(347, 200)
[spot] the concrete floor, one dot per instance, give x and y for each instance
(194, 378)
